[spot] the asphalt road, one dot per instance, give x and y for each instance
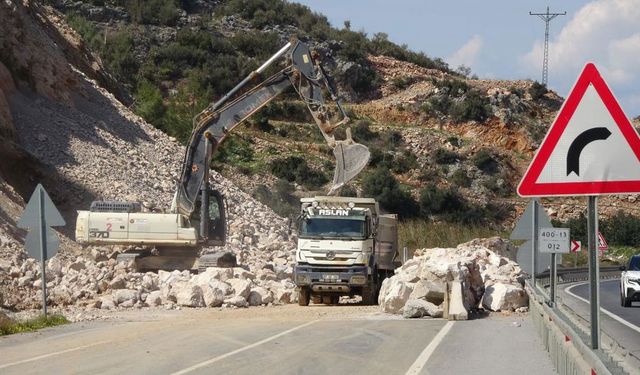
(284, 340)
(610, 300)
(621, 323)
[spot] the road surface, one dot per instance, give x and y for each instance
(282, 340)
(620, 323)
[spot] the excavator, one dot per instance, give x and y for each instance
(197, 217)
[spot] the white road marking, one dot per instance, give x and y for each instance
(422, 359)
(51, 354)
(250, 346)
(612, 315)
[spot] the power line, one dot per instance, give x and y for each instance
(546, 17)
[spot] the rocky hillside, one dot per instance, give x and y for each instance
(441, 135)
(63, 128)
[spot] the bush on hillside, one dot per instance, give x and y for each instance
(381, 185)
(149, 102)
(404, 162)
(537, 90)
(474, 107)
(296, 169)
(444, 156)
(485, 161)
(460, 178)
(362, 133)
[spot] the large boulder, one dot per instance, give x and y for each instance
(418, 308)
(259, 296)
(241, 287)
(121, 296)
(429, 291)
(393, 295)
(499, 297)
(187, 294)
(213, 297)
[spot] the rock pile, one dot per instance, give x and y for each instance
(101, 282)
(96, 148)
(490, 279)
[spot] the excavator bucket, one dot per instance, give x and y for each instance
(351, 159)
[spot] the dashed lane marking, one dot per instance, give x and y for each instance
(242, 349)
(51, 354)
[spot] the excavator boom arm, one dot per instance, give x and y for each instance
(212, 124)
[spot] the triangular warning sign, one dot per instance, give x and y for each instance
(590, 149)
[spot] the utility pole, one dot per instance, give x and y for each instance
(546, 17)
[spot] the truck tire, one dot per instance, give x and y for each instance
(303, 297)
(627, 301)
(369, 296)
(316, 299)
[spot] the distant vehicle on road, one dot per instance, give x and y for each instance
(630, 282)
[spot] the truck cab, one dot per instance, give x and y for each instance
(345, 247)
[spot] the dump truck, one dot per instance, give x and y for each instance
(346, 247)
(197, 218)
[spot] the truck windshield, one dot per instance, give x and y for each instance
(333, 228)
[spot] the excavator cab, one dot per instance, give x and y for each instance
(217, 233)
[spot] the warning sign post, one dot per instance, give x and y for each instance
(590, 149)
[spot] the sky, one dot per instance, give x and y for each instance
(499, 39)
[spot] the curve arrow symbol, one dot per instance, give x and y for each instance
(578, 144)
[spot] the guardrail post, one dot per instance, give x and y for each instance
(534, 241)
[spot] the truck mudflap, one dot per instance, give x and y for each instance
(340, 279)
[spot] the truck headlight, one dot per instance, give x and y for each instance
(303, 279)
(358, 280)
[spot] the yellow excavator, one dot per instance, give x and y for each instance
(197, 217)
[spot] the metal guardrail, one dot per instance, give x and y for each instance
(571, 275)
(557, 320)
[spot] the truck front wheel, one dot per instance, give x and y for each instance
(369, 296)
(303, 297)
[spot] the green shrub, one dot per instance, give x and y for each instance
(454, 141)
(401, 83)
(460, 178)
(295, 168)
(118, 57)
(435, 201)
(149, 102)
(362, 133)
(443, 156)
(153, 12)
(404, 162)
(622, 229)
(537, 90)
(381, 185)
(485, 161)
(474, 107)
(87, 30)
(498, 185)
(453, 87)
(8, 326)
(233, 150)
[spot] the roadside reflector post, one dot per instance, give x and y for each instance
(554, 278)
(534, 239)
(594, 271)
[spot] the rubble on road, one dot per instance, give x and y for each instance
(489, 278)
